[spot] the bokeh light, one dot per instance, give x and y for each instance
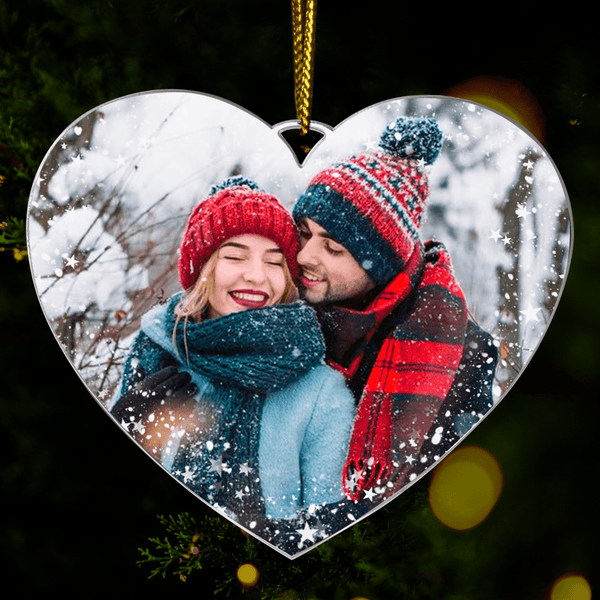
(248, 575)
(505, 96)
(571, 587)
(465, 487)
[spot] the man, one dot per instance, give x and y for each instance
(394, 317)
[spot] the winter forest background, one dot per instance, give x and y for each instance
(112, 197)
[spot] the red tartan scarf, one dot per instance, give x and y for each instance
(413, 369)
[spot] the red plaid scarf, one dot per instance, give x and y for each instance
(414, 366)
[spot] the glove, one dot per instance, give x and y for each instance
(168, 383)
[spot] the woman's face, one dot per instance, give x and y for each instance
(249, 274)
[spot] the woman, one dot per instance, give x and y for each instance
(267, 431)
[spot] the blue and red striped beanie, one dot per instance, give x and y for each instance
(373, 203)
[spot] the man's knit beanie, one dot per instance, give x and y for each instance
(237, 206)
(373, 203)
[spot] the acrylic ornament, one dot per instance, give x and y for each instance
(107, 213)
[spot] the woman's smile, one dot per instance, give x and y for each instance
(250, 298)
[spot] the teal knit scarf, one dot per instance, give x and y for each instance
(261, 350)
(246, 356)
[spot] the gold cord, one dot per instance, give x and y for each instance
(303, 24)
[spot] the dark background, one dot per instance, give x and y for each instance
(78, 498)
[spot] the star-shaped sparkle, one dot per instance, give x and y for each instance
(71, 261)
(522, 211)
(496, 235)
(137, 426)
(506, 240)
(370, 494)
(352, 481)
(410, 459)
(531, 313)
(216, 465)
(245, 469)
(120, 161)
(307, 533)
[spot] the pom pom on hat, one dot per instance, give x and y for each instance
(413, 138)
(373, 203)
(234, 207)
(233, 182)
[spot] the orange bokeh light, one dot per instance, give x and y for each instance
(506, 96)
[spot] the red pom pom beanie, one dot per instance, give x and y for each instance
(235, 207)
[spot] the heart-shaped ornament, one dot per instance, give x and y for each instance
(291, 422)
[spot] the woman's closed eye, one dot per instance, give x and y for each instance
(275, 262)
(234, 257)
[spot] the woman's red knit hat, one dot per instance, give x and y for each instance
(237, 206)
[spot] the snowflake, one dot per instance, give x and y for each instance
(188, 475)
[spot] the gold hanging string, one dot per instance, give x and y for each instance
(303, 23)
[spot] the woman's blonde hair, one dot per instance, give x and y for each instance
(194, 302)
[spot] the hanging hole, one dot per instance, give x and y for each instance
(301, 144)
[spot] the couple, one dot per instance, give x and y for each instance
(269, 407)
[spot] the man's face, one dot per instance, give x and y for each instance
(329, 272)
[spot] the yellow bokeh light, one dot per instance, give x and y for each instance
(571, 587)
(465, 487)
(248, 575)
